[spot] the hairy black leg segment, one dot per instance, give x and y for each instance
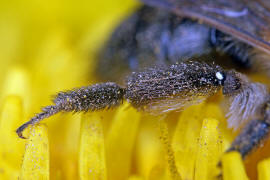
(95, 97)
(46, 112)
(250, 137)
(253, 133)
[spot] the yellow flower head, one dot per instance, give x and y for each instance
(48, 46)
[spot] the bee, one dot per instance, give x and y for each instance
(165, 35)
(163, 32)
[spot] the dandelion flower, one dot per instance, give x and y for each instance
(49, 46)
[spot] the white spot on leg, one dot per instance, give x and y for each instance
(219, 76)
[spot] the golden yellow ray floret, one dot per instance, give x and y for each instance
(11, 150)
(36, 157)
(121, 140)
(92, 163)
(209, 150)
(264, 169)
(233, 167)
(48, 46)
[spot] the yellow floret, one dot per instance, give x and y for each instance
(92, 163)
(36, 157)
(232, 167)
(264, 170)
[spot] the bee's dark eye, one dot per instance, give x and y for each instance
(221, 77)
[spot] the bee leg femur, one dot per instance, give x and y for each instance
(253, 133)
(95, 97)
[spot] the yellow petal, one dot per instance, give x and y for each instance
(164, 137)
(150, 159)
(264, 170)
(227, 135)
(157, 173)
(11, 117)
(189, 133)
(120, 142)
(92, 152)
(64, 130)
(134, 177)
(11, 147)
(209, 150)
(232, 167)
(36, 158)
(185, 138)
(17, 83)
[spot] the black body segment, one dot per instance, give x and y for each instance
(160, 90)
(240, 52)
(153, 37)
(246, 20)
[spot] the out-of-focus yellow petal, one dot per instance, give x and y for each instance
(17, 83)
(50, 46)
(120, 142)
(134, 177)
(149, 150)
(36, 158)
(185, 140)
(92, 151)
(11, 147)
(209, 150)
(264, 170)
(232, 167)
(157, 172)
(64, 135)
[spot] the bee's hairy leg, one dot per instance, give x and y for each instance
(95, 97)
(253, 133)
(250, 137)
(46, 112)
